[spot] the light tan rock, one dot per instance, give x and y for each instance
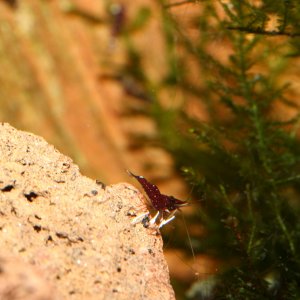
(64, 236)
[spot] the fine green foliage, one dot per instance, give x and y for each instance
(242, 159)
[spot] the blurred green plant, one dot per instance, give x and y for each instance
(243, 158)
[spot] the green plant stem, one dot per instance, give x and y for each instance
(256, 118)
(282, 225)
(253, 227)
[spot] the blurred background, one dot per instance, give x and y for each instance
(200, 97)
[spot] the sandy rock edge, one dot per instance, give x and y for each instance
(65, 236)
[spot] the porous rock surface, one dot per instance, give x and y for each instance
(65, 236)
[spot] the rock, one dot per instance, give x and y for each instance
(65, 236)
(20, 280)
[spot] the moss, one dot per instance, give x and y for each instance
(244, 156)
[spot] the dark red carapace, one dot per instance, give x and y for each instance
(160, 202)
